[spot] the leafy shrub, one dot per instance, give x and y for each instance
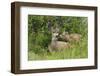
(43, 39)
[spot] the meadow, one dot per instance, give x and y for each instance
(40, 36)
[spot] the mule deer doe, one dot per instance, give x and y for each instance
(56, 45)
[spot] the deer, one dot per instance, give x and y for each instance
(56, 45)
(74, 37)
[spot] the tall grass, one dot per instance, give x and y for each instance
(78, 50)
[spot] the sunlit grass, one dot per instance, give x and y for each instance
(78, 50)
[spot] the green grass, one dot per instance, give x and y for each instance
(78, 50)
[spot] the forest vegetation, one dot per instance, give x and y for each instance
(71, 31)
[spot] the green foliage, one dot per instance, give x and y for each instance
(79, 50)
(39, 36)
(43, 39)
(38, 42)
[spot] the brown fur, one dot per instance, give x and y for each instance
(58, 46)
(75, 37)
(71, 37)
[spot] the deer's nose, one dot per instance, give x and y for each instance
(57, 36)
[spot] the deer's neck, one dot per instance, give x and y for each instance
(54, 40)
